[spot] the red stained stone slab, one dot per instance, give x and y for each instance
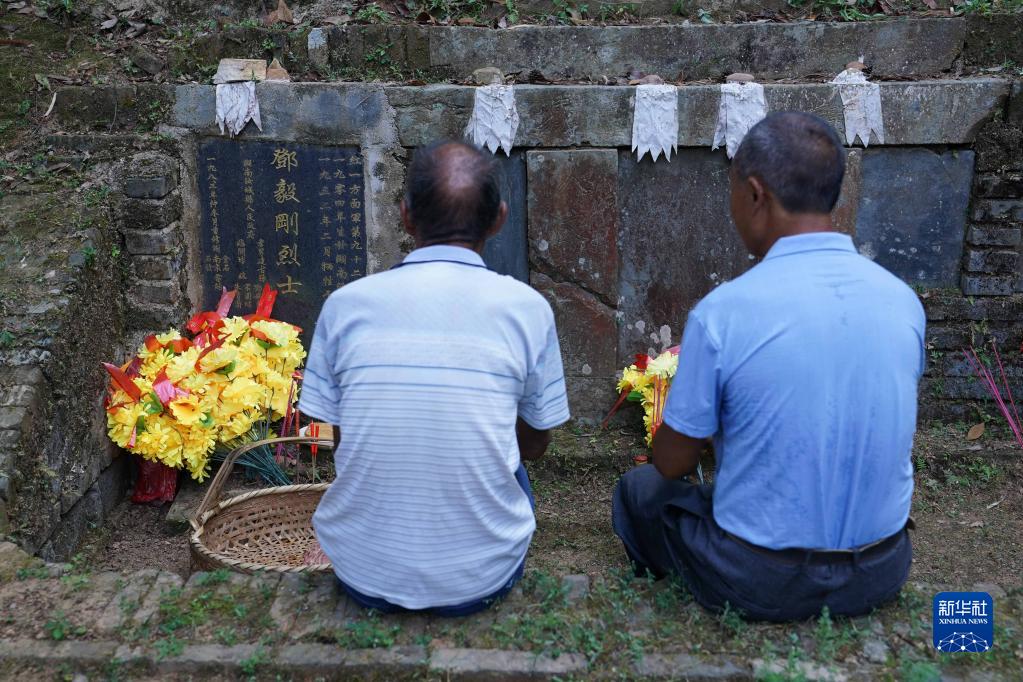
(573, 217)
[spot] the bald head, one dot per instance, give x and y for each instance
(452, 194)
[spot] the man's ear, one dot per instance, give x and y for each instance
(502, 216)
(406, 219)
(758, 193)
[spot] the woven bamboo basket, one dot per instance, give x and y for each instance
(263, 530)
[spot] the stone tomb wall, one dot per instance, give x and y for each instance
(621, 248)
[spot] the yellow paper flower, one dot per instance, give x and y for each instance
(187, 410)
(245, 381)
(123, 421)
(241, 394)
(182, 366)
(652, 385)
(219, 359)
(664, 365)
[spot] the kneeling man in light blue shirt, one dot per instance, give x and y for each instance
(443, 377)
(804, 371)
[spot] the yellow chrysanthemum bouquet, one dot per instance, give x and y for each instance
(181, 399)
(647, 381)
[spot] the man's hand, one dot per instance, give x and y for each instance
(676, 455)
(532, 442)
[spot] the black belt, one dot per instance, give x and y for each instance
(796, 555)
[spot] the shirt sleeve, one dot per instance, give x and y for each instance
(320, 397)
(544, 402)
(694, 401)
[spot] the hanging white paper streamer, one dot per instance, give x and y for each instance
(494, 119)
(236, 106)
(861, 100)
(655, 121)
(742, 106)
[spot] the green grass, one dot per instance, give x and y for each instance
(855, 10)
(986, 7)
(60, 628)
(369, 633)
(373, 14)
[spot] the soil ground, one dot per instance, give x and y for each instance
(968, 508)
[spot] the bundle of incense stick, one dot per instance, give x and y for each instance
(1008, 409)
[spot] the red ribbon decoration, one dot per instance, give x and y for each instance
(260, 335)
(165, 389)
(266, 301)
(123, 381)
(206, 324)
(179, 346)
(208, 349)
(264, 308)
(133, 367)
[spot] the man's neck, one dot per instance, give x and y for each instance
(793, 224)
(478, 248)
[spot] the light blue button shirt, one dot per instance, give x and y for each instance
(805, 371)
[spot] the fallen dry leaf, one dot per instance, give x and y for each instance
(281, 15)
(340, 19)
(109, 23)
(977, 524)
(975, 432)
(135, 29)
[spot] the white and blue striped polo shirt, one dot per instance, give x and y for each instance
(425, 368)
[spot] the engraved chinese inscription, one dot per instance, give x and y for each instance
(283, 213)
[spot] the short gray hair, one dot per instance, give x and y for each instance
(799, 158)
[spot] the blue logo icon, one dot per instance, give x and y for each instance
(964, 622)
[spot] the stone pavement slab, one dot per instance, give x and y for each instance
(205, 659)
(316, 606)
(163, 584)
(86, 597)
(493, 664)
(126, 602)
(684, 666)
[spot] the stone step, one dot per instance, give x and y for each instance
(909, 48)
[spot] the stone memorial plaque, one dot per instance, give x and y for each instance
(287, 214)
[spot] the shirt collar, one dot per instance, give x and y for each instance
(812, 241)
(442, 252)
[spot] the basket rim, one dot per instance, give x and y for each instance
(196, 543)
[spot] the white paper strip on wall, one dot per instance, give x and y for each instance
(655, 121)
(861, 101)
(236, 106)
(742, 106)
(494, 120)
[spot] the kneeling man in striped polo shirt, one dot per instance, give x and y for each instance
(443, 377)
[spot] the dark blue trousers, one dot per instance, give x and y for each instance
(466, 609)
(668, 527)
